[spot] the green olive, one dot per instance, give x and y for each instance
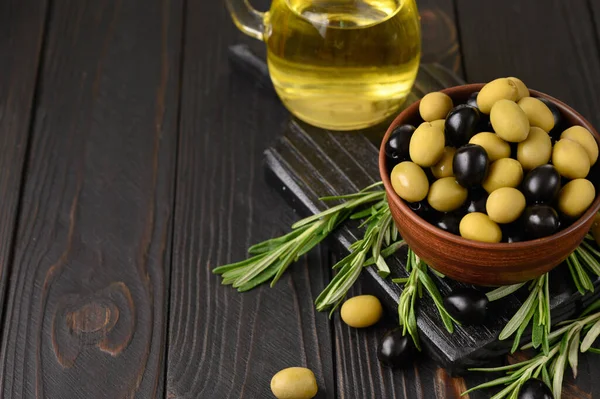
(535, 150)
(570, 159)
(509, 121)
(479, 227)
(443, 167)
(495, 147)
(583, 136)
(441, 123)
(505, 205)
(426, 145)
(495, 90)
(538, 113)
(361, 311)
(409, 181)
(294, 383)
(522, 90)
(576, 197)
(434, 106)
(446, 195)
(505, 172)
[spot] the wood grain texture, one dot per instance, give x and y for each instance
(22, 25)
(223, 344)
(86, 308)
(556, 54)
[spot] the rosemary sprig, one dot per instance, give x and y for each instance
(565, 344)
(536, 309)
(367, 251)
(272, 257)
(413, 288)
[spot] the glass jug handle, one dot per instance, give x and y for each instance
(246, 18)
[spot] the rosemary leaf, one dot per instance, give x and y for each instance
(573, 355)
(519, 317)
(590, 337)
(503, 291)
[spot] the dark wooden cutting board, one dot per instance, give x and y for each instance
(307, 163)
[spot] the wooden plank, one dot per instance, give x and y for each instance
(86, 308)
(223, 344)
(22, 23)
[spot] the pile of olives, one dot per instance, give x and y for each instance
(501, 167)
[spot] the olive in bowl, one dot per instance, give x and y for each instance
(499, 262)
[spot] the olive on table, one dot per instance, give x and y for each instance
(472, 100)
(426, 145)
(539, 221)
(495, 147)
(479, 227)
(449, 222)
(409, 181)
(467, 305)
(535, 150)
(494, 91)
(475, 201)
(509, 121)
(534, 388)
(361, 311)
(461, 124)
(584, 137)
(541, 184)
(505, 172)
(443, 167)
(570, 159)
(294, 383)
(435, 105)
(538, 113)
(470, 165)
(396, 350)
(396, 148)
(576, 197)
(522, 90)
(446, 195)
(556, 114)
(505, 205)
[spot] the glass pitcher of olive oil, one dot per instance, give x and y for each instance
(338, 64)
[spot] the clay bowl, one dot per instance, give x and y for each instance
(481, 263)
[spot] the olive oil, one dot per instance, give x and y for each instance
(343, 64)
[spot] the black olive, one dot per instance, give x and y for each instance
(470, 165)
(541, 184)
(475, 201)
(421, 208)
(559, 120)
(485, 124)
(472, 100)
(395, 349)
(535, 389)
(467, 305)
(396, 149)
(449, 222)
(539, 221)
(461, 124)
(512, 232)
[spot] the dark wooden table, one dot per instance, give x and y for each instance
(131, 165)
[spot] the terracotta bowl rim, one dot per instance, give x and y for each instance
(503, 247)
